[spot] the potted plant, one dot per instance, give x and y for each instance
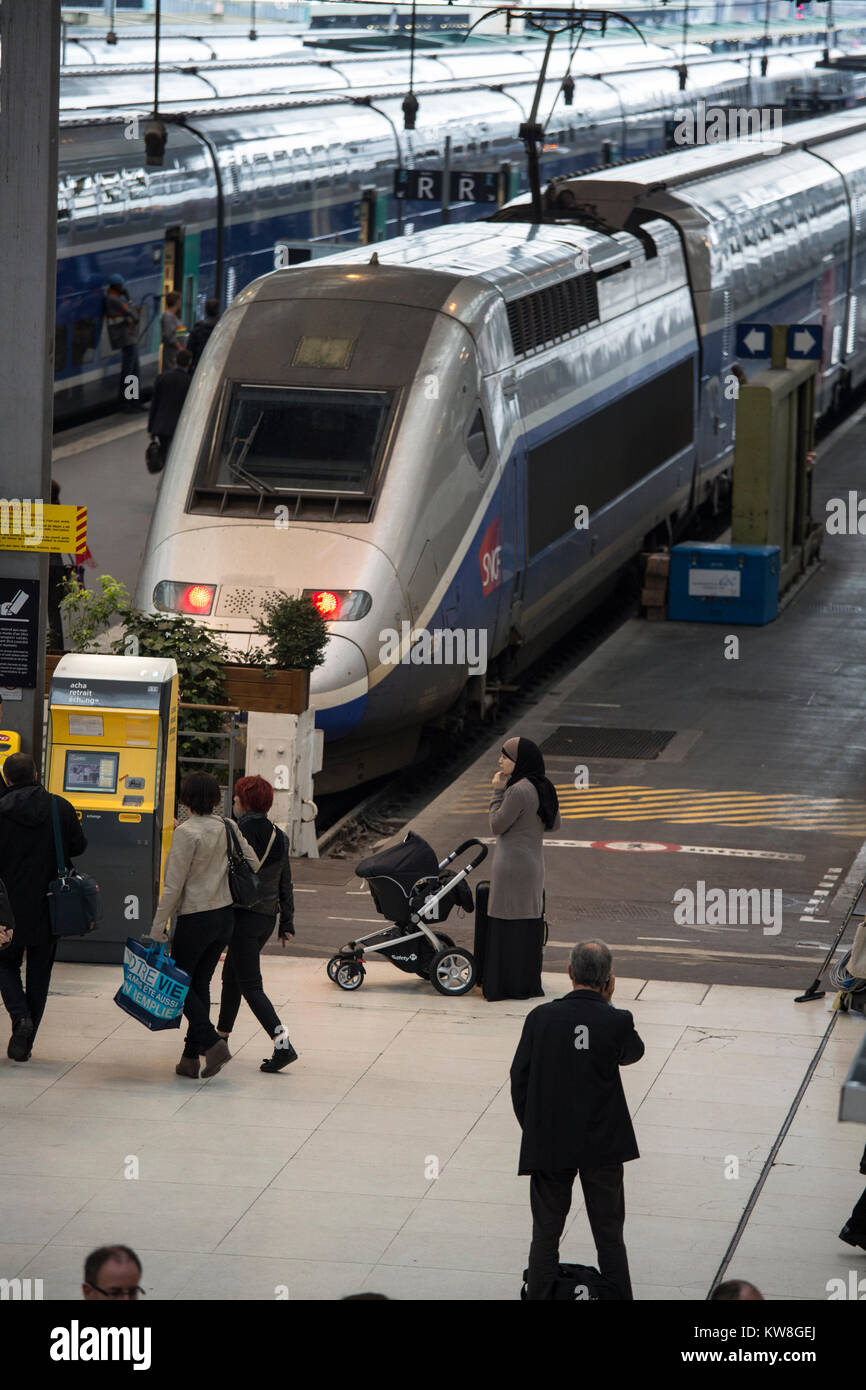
(276, 676)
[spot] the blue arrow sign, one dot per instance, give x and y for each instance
(805, 340)
(753, 339)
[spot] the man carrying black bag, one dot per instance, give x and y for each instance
(568, 1097)
(28, 864)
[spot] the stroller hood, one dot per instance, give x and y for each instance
(406, 862)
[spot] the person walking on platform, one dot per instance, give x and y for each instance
(242, 969)
(170, 326)
(121, 319)
(28, 863)
(201, 331)
(568, 1098)
(196, 890)
(166, 403)
(854, 1230)
(524, 804)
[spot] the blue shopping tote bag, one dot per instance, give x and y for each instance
(154, 988)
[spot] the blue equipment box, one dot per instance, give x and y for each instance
(724, 583)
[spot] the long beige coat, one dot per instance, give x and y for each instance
(517, 875)
(197, 868)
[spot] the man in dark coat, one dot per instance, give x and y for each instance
(121, 317)
(169, 394)
(28, 863)
(201, 331)
(568, 1097)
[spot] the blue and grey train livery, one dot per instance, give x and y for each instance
(412, 439)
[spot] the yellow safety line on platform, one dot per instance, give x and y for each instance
(687, 806)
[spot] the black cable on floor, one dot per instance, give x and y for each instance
(771, 1158)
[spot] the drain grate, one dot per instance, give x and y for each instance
(586, 741)
(624, 912)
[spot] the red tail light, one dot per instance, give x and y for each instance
(327, 602)
(197, 598)
(173, 596)
(340, 605)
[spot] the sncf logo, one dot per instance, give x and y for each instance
(490, 558)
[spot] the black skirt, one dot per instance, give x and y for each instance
(512, 954)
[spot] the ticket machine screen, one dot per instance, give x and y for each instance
(91, 770)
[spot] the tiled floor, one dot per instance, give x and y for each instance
(386, 1157)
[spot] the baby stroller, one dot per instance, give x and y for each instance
(412, 889)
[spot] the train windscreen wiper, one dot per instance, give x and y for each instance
(236, 466)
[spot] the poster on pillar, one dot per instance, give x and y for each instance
(19, 628)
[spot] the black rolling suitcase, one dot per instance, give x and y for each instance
(579, 1284)
(479, 945)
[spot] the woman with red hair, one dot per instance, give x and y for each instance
(242, 971)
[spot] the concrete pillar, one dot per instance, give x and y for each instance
(30, 42)
(286, 749)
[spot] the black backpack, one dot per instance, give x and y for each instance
(579, 1284)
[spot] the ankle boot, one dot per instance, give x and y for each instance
(283, 1052)
(188, 1066)
(216, 1057)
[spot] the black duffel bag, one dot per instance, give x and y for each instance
(74, 899)
(580, 1284)
(154, 457)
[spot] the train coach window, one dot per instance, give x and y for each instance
(476, 441)
(308, 440)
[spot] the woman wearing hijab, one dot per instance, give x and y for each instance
(523, 805)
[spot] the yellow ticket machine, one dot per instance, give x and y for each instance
(10, 743)
(112, 743)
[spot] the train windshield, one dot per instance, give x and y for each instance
(300, 439)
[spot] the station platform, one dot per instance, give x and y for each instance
(735, 774)
(317, 1182)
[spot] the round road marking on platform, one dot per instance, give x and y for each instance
(637, 846)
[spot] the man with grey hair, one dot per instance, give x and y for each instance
(568, 1097)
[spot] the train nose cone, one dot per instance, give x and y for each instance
(339, 687)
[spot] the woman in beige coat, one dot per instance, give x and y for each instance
(523, 805)
(196, 892)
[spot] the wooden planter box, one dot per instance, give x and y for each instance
(51, 660)
(267, 692)
(247, 687)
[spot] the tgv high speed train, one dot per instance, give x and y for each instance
(474, 429)
(245, 170)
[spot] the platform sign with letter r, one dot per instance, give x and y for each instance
(425, 186)
(418, 185)
(474, 188)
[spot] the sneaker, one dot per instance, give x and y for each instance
(22, 1036)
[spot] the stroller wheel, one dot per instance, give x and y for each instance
(350, 974)
(333, 967)
(452, 970)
